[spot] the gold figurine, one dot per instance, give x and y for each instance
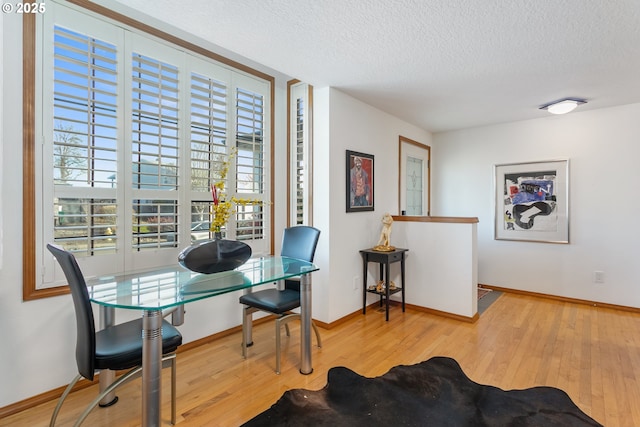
(385, 236)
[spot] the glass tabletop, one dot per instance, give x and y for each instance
(163, 288)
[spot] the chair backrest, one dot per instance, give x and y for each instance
(300, 242)
(86, 330)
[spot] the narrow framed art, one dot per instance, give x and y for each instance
(360, 183)
(532, 201)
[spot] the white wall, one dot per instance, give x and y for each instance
(441, 265)
(603, 151)
(343, 123)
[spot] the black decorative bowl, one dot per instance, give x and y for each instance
(214, 256)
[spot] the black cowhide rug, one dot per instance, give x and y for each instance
(432, 393)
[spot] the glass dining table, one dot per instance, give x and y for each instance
(166, 290)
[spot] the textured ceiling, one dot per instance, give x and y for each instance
(439, 64)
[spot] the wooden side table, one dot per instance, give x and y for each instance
(385, 259)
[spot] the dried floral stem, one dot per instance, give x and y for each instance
(223, 208)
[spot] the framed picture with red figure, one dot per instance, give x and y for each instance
(359, 185)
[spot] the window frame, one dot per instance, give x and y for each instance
(31, 229)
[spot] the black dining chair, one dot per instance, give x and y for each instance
(118, 347)
(297, 242)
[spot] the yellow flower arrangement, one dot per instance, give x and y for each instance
(223, 208)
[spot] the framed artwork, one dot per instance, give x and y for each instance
(359, 184)
(532, 201)
(414, 196)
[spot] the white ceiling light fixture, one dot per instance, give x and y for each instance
(563, 106)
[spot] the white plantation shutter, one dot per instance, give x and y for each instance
(154, 124)
(154, 152)
(84, 143)
(135, 130)
(250, 163)
(209, 105)
(208, 130)
(250, 142)
(85, 121)
(299, 161)
(154, 223)
(85, 226)
(300, 155)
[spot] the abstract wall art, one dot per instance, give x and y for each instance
(532, 201)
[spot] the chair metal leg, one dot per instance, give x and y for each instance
(315, 329)
(133, 373)
(289, 317)
(66, 392)
(121, 380)
(284, 320)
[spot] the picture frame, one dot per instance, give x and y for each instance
(532, 201)
(359, 181)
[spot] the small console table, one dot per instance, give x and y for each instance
(385, 259)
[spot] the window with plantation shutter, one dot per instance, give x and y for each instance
(154, 151)
(208, 147)
(299, 162)
(84, 142)
(208, 130)
(134, 132)
(299, 154)
(154, 124)
(155, 223)
(250, 164)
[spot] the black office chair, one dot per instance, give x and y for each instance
(297, 242)
(118, 347)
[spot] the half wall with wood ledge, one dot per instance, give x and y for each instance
(442, 263)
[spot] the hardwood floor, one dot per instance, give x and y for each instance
(520, 341)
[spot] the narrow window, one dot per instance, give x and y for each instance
(300, 153)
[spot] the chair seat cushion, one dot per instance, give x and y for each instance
(272, 300)
(120, 346)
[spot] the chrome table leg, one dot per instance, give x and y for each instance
(305, 324)
(107, 377)
(151, 367)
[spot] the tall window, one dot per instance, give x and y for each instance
(300, 153)
(134, 133)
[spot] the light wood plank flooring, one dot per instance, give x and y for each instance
(519, 342)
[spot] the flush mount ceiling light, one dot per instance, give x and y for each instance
(563, 106)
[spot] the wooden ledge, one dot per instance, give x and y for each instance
(445, 219)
